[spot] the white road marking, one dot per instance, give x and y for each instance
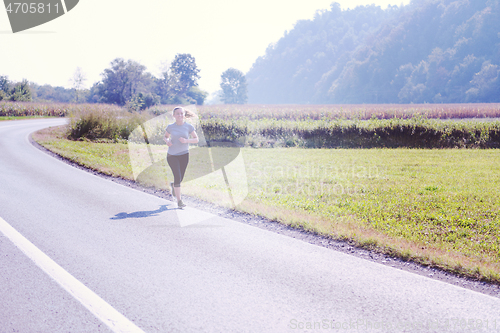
(96, 305)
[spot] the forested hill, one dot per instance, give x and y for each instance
(430, 51)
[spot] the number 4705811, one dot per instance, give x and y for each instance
(32, 8)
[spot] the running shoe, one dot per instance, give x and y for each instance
(181, 204)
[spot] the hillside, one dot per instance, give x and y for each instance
(430, 51)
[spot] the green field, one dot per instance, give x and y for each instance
(438, 207)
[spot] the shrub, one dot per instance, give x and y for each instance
(101, 122)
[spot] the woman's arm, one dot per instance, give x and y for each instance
(193, 140)
(167, 139)
(194, 137)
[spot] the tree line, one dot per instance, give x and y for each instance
(430, 51)
(127, 83)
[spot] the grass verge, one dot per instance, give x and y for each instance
(435, 207)
(22, 117)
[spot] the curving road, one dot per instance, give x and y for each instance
(91, 255)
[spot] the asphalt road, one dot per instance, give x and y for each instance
(126, 253)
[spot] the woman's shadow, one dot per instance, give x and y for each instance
(141, 214)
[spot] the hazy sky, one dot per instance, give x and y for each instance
(218, 33)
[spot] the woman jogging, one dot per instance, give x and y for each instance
(177, 139)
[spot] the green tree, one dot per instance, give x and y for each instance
(4, 87)
(142, 101)
(184, 67)
(122, 81)
(234, 87)
(48, 93)
(20, 91)
(178, 83)
(485, 84)
(4, 83)
(197, 94)
(167, 87)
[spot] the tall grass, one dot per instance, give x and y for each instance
(98, 122)
(416, 132)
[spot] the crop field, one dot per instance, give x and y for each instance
(312, 127)
(25, 109)
(350, 111)
(291, 112)
(438, 207)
